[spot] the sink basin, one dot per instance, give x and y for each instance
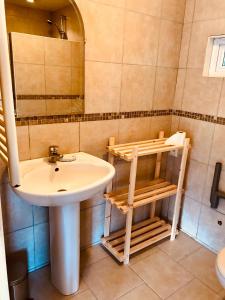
(46, 184)
(62, 186)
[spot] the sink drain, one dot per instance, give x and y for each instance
(62, 190)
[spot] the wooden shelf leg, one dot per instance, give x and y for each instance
(157, 174)
(129, 218)
(128, 236)
(179, 189)
(108, 206)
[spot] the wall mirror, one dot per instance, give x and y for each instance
(46, 40)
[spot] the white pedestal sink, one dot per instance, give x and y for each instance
(62, 186)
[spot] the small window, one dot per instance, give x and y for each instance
(215, 57)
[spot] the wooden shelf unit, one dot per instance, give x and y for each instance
(136, 237)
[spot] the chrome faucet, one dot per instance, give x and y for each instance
(55, 156)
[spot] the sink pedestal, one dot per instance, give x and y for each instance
(65, 247)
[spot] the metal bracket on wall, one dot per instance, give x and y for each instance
(216, 195)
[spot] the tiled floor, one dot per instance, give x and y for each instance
(179, 270)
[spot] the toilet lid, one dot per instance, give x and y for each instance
(221, 262)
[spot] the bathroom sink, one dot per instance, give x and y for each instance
(61, 183)
(62, 186)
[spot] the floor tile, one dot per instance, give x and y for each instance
(222, 295)
(86, 295)
(202, 264)
(41, 287)
(92, 255)
(181, 247)
(142, 254)
(109, 280)
(195, 290)
(142, 292)
(162, 274)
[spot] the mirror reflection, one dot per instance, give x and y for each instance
(47, 57)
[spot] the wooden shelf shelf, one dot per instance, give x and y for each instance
(134, 238)
(155, 190)
(148, 147)
(143, 234)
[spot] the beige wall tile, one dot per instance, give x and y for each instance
(26, 108)
(134, 129)
(29, 79)
(137, 87)
(26, 20)
(173, 10)
(58, 80)
(119, 3)
(18, 24)
(57, 52)
(77, 80)
(195, 180)
(190, 216)
(185, 44)
(65, 135)
(160, 123)
(221, 111)
(104, 31)
(168, 55)
(15, 10)
(189, 11)
(77, 106)
(164, 88)
(34, 44)
(92, 225)
(200, 33)
(40, 214)
(209, 231)
(58, 107)
(218, 147)
(20, 240)
(23, 142)
(141, 39)
(175, 124)
(42, 244)
(102, 84)
(201, 94)
(145, 171)
(201, 134)
(17, 214)
(209, 9)
(149, 7)
(178, 98)
(77, 54)
(94, 136)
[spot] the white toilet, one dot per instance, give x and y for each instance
(220, 267)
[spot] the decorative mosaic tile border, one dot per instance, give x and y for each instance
(114, 116)
(89, 117)
(48, 97)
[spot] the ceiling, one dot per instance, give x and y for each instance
(49, 5)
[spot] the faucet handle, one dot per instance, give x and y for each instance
(53, 149)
